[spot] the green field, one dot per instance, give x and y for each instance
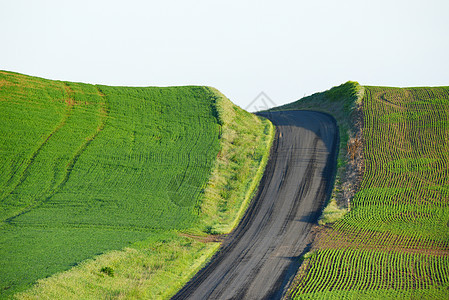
(120, 192)
(87, 169)
(394, 241)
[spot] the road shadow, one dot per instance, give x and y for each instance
(305, 119)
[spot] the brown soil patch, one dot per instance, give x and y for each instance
(329, 238)
(218, 238)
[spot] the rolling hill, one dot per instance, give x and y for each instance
(123, 191)
(387, 224)
(118, 185)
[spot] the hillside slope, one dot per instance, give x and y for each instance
(393, 242)
(86, 169)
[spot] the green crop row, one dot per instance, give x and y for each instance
(394, 241)
(357, 270)
(406, 158)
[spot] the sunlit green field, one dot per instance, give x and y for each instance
(86, 169)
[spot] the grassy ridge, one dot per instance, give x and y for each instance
(245, 143)
(87, 169)
(394, 242)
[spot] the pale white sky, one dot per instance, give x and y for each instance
(286, 49)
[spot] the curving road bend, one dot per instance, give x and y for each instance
(260, 257)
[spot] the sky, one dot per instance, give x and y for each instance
(283, 49)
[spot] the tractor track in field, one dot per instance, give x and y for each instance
(58, 186)
(259, 259)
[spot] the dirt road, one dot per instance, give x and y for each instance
(260, 257)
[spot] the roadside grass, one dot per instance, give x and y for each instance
(331, 213)
(246, 141)
(150, 269)
(87, 170)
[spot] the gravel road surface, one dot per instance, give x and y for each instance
(260, 257)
